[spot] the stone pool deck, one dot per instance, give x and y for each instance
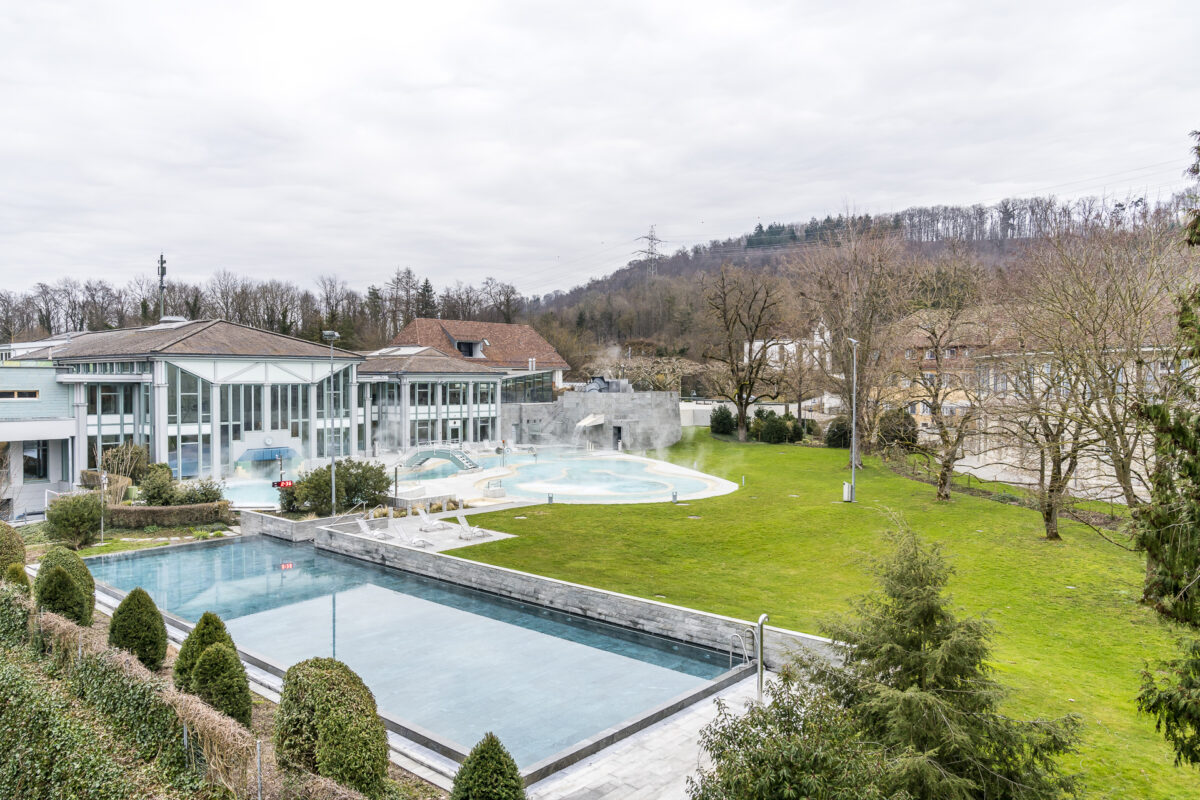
(653, 764)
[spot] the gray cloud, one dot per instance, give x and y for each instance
(535, 141)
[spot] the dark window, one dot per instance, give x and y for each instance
(18, 394)
(37, 461)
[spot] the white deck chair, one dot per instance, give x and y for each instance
(469, 531)
(367, 530)
(429, 524)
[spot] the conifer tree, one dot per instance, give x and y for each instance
(488, 773)
(138, 627)
(208, 631)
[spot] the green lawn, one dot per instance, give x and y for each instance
(1070, 637)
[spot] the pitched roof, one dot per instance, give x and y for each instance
(211, 337)
(509, 345)
(426, 360)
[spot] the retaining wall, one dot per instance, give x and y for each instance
(684, 624)
(289, 530)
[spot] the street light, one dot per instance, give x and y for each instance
(331, 337)
(853, 419)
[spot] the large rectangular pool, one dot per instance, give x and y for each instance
(452, 660)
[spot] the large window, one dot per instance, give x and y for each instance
(36, 458)
(537, 388)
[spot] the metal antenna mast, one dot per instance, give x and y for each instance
(651, 252)
(162, 278)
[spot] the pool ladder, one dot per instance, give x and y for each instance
(738, 639)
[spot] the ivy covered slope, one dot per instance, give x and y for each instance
(1071, 635)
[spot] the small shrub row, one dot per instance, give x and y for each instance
(46, 752)
(168, 516)
(118, 484)
(159, 488)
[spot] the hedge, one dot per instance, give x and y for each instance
(118, 485)
(138, 628)
(208, 631)
(60, 556)
(168, 516)
(219, 679)
(488, 773)
(15, 612)
(12, 546)
(46, 752)
(327, 723)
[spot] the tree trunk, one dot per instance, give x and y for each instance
(945, 475)
(1050, 519)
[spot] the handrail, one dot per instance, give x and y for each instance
(762, 619)
(338, 517)
(745, 653)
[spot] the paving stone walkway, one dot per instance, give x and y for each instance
(651, 765)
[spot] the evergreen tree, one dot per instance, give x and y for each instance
(70, 561)
(208, 631)
(917, 683)
(427, 305)
(137, 626)
(219, 679)
(488, 773)
(1171, 695)
(12, 546)
(60, 594)
(15, 575)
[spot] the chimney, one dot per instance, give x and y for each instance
(532, 364)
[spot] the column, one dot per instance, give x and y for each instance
(437, 407)
(158, 400)
(215, 424)
(311, 447)
(352, 407)
(81, 440)
(404, 420)
(368, 434)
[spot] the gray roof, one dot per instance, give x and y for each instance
(211, 337)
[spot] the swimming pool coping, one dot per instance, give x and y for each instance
(441, 745)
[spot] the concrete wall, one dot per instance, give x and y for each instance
(684, 624)
(647, 420)
(290, 530)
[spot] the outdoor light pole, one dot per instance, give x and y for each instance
(853, 420)
(331, 337)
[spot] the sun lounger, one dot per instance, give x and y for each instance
(429, 524)
(469, 531)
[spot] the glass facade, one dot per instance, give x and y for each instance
(406, 413)
(189, 423)
(116, 413)
(536, 388)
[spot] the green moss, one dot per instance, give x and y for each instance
(488, 773)
(219, 679)
(70, 561)
(138, 627)
(208, 631)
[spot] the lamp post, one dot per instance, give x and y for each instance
(853, 419)
(331, 337)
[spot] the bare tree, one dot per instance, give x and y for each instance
(747, 309)
(503, 298)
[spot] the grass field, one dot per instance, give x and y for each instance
(1070, 635)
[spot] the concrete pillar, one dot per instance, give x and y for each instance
(352, 407)
(158, 401)
(215, 426)
(368, 434)
(311, 447)
(437, 406)
(405, 415)
(79, 451)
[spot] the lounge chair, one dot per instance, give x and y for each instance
(429, 524)
(469, 531)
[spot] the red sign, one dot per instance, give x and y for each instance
(286, 565)
(282, 484)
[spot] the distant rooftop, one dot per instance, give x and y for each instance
(501, 344)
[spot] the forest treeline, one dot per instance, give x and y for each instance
(654, 304)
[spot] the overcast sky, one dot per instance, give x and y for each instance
(535, 141)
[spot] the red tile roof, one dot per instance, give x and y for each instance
(508, 345)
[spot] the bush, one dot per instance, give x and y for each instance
(365, 482)
(810, 427)
(203, 490)
(722, 422)
(327, 723)
(838, 433)
(12, 547)
(897, 428)
(118, 485)
(46, 751)
(208, 631)
(219, 679)
(128, 459)
(15, 611)
(149, 518)
(138, 627)
(488, 773)
(358, 482)
(61, 595)
(158, 486)
(16, 577)
(311, 493)
(774, 430)
(74, 519)
(71, 562)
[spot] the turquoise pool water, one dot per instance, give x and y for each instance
(452, 660)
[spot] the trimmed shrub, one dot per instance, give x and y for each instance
(15, 611)
(327, 723)
(12, 546)
(46, 752)
(168, 516)
(61, 595)
(722, 422)
(209, 630)
(838, 433)
(897, 428)
(775, 430)
(74, 519)
(158, 486)
(70, 561)
(488, 773)
(219, 679)
(138, 627)
(203, 490)
(16, 577)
